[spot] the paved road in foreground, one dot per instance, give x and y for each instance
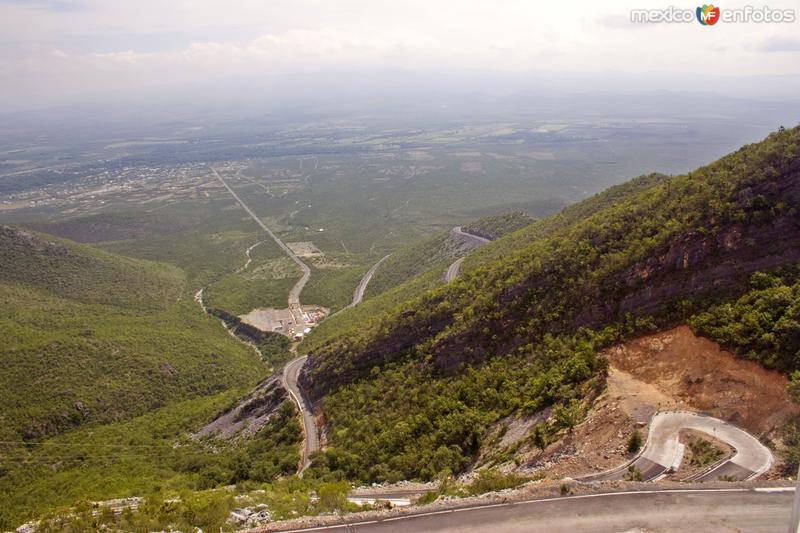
(695, 510)
(663, 451)
(311, 444)
(294, 293)
(475, 241)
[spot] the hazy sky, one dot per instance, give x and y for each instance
(55, 51)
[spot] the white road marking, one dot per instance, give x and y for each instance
(553, 499)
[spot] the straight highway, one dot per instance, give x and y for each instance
(294, 294)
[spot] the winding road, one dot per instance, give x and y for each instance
(762, 510)
(475, 241)
(453, 270)
(311, 442)
(663, 452)
(358, 294)
(292, 369)
(294, 293)
(661, 455)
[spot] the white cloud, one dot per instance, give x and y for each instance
(74, 45)
(780, 44)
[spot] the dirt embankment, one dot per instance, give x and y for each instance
(669, 370)
(699, 375)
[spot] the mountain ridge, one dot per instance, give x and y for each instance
(660, 251)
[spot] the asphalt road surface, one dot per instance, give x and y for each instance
(292, 369)
(663, 451)
(311, 443)
(358, 295)
(473, 240)
(453, 269)
(294, 293)
(477, 240)
(692, 510)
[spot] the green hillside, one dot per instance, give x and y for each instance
(410, 391)
(90, 337)
(84, 274)
(438, 251)
(410, 261)
(495, 226)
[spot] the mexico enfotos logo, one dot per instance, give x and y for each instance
(709, 15)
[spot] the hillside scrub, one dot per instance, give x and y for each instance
(496, 226)
(400, 390)
(145, 455)
(763, 324)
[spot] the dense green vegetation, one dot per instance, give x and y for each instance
(410, 380)
(240, 296)
(438, 251)
(83, 274)
(129, 364)
(763, 324)
(112, 338)
(595, 265)
(274, 348)
(495, 226)
(342, 322)
(120, 459)
(570, 215)
(408, 422)
(263, 281)
(147, 454)
(202, 255)
(332, 287)
(412, 261)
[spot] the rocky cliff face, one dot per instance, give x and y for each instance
(689, 237)
(696, 265)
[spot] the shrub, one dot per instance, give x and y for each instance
(333, 496)
(635, 441)
(494, 480)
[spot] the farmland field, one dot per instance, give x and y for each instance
(354, 191)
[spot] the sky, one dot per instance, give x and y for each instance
(54, 52)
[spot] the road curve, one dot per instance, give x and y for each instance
(311, 441)
(664, 453)
(475, 241)
(358, 294)
(291, 370)
(294, 293)
(677, 510)
(453, 269)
